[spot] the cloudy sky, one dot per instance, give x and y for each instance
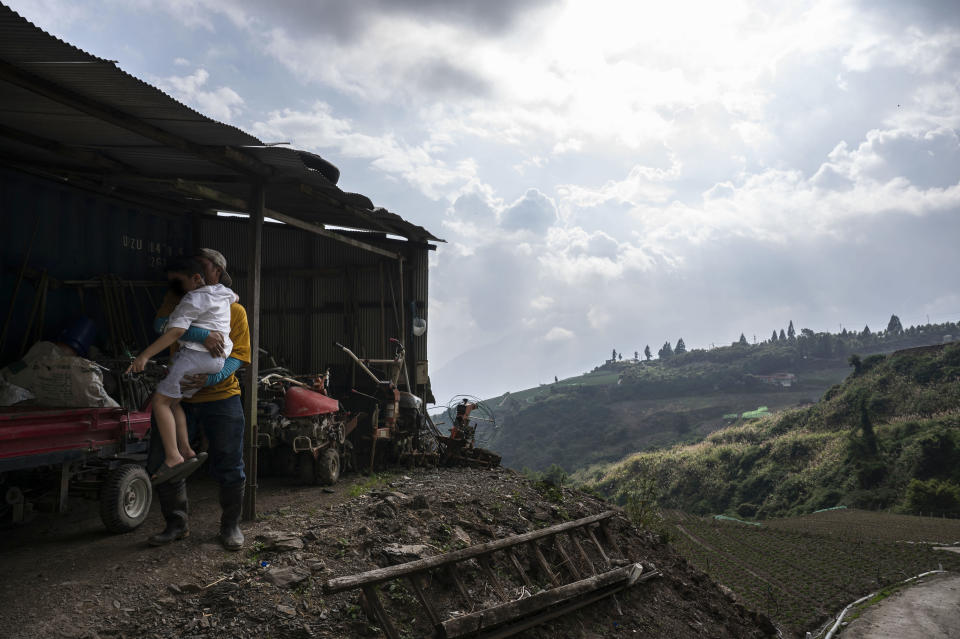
(606, 174)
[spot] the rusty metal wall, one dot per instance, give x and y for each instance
(317, 291)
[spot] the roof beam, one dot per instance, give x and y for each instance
(220, 155)
(317, 194)
(239, 204)
(79, 154)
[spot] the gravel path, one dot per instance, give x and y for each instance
(929, 610)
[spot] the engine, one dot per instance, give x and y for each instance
(301, 433)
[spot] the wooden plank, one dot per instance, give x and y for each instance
(491, 617)
(370, 594)
(421, 565)
(455, 576)
(414, 581)
(568, 562)
(484, 562)
(593, 538)
(558, 611)
(582, 552)
(605, 529)
(519, 568)
(544, 564)
(253, 371)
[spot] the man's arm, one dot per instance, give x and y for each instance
(211, 340)
(240, 336)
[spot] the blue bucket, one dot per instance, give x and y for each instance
(79, 335)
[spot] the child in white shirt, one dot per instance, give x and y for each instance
(202, 306)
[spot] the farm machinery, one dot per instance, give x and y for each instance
(306, 434)
(302, 432)
(461, 446)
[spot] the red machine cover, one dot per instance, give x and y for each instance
(301, 402)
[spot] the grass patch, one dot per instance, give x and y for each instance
(375, 481)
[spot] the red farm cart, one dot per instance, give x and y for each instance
(45, 454)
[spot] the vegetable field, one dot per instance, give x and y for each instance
(853, 525)
(803, 570)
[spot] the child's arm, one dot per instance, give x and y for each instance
(162, 343)
(211, 340)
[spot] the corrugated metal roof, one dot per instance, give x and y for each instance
(28, 47)
(67, 113)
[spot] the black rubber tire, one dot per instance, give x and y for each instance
(328, 467)
(305, 471)
(125, 498)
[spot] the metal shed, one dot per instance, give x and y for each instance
(103, 177)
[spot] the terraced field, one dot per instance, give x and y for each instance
(801, 571)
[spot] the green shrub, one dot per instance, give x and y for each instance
(932, 496)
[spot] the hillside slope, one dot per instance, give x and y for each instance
(887, 437)
(625, 407)
(628, 406)
(96, 585)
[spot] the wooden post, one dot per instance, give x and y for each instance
(253, 372)
(383, 350)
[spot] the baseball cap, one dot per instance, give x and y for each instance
(219, 261)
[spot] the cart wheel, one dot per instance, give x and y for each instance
(328, 466)
(305, 472)
(125, 498)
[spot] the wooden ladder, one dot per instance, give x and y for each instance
(575, 583)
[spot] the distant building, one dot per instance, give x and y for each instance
(784, 380)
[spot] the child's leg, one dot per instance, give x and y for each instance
(183, 437)
(167, 427)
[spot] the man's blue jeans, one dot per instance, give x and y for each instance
(223, 424)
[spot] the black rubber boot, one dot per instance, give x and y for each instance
(174, 506)
(231, 501)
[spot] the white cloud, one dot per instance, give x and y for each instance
(222, 103)
(533, 212)
(559, 334)
(541, 303)
(567, 146)
(642, 184)
(417, 164)
(598, 317)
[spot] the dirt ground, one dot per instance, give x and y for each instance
(927, 610)
(66, 577)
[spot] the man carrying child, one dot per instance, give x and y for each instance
(215, 411)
